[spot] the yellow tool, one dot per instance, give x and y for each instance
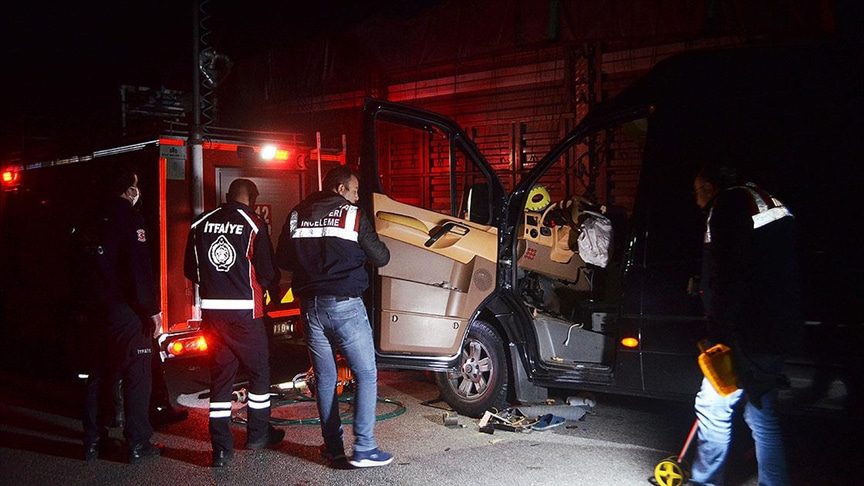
(670, 471)
(716, 365)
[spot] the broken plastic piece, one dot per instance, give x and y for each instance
(547, 422)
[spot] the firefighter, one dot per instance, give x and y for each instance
(326, 243)
(230, 257)
(751, 293)
(128, 313)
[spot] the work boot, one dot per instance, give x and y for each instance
(91, 451)
(222, 458)
(274, 436)
(94, 448)
(334, 453)
(143, 451)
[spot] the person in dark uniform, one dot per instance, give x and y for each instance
(326, 243)
(751, 291)
(127, 315)
(230, 256)
(162, 411)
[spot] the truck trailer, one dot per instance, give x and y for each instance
(43, 200)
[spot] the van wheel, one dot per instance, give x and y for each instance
(480, 383)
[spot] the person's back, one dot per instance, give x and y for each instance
(751, 293)
(753, 256)
(326, 243)
(88, 263)
(229, 256)
(325, 255)
(226, 237)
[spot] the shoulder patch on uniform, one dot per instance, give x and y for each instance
(142, 236)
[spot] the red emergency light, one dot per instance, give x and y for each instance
(266, 153)
(182, 346)
(272, 152)
(10, 177)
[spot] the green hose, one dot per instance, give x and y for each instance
(346, 417)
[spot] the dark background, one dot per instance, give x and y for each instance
(64, 62)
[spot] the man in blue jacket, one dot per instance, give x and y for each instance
(326, 243)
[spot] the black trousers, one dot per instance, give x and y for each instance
(120, 350)
(235, 339)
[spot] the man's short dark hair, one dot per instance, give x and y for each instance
(335, 176)
(721, 175)
(242, 187)
(119, 179)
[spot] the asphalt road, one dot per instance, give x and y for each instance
(617, 442)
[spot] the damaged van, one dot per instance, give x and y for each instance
(507, 294)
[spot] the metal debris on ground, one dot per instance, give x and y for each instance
(450, 420)
(510, 419)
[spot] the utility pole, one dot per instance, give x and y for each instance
(195, 138)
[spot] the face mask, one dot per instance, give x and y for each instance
(136, 196)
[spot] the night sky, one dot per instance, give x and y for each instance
(65, 61)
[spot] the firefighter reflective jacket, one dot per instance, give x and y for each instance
(325, 243)
(750, 280)
(230, 256)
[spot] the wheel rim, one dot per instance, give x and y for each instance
(475, 371)
(669, 473)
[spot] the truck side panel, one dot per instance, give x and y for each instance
(40, 315)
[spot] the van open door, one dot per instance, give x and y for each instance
(442, 255)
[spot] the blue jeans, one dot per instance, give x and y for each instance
(341, 323)
(715, 414)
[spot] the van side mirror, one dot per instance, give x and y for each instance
(477, 208)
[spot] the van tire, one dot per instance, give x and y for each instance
(480, 382)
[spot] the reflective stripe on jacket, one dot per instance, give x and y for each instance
(326, 243)
(766, 209)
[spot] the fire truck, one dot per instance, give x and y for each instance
(42, 200)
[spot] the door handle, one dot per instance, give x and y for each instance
(448, 227)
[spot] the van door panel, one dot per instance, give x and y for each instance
(405, 295)
(457, 244)
(415, 264)
(430, 289)
(421, 334)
